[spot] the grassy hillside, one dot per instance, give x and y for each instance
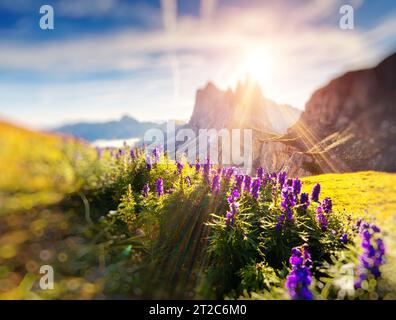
(361, 193)
(113, 226)
(39, 168)
(42, 168)
(366, 194)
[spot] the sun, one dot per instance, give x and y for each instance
(258, 65)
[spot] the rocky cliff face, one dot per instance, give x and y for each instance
(348, 125)
(243, 108)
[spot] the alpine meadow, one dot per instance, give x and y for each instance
(207, 150)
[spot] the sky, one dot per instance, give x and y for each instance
(108, 58)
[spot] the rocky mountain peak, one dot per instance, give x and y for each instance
(347, 125)
(244, 107)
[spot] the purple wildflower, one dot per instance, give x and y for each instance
(260, 173)
(160, 187)
(197, 168)
(304, 201)
(239, 178)
(315, 193)
(216, 183)
(256, 188)
(156, 154)
(235, 194)
(206, 171)
(373, 253)
(234, 206)
(179, 166)
(344, 238)
(327, 205)
(281, 178)
(132, 154)
(149, 163)
(229, 173)
(321, 218)
(288, 201)
(229, 218)
(297, 186)
(363, 226)
(248, 183)
(281, 220)
(300, 277)
(266, 179)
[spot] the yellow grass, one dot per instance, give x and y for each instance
(36, 168)
(366, 193)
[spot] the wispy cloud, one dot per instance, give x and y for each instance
(187, 52)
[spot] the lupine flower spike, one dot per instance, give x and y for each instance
(234, 207)
(216, 184)
(300, 277)
(315, 193)
(160, 187)
(256, 188)
(373, 253)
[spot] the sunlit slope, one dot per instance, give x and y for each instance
(37, 168)
(363, 193)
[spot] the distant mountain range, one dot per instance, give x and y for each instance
(348, 125)
(243, 108)
(125, 128)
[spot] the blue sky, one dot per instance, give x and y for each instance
(106, 58)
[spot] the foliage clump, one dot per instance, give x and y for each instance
(138, 225)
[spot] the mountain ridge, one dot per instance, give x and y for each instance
(125, 128)
(348, 125)
(244, 107)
